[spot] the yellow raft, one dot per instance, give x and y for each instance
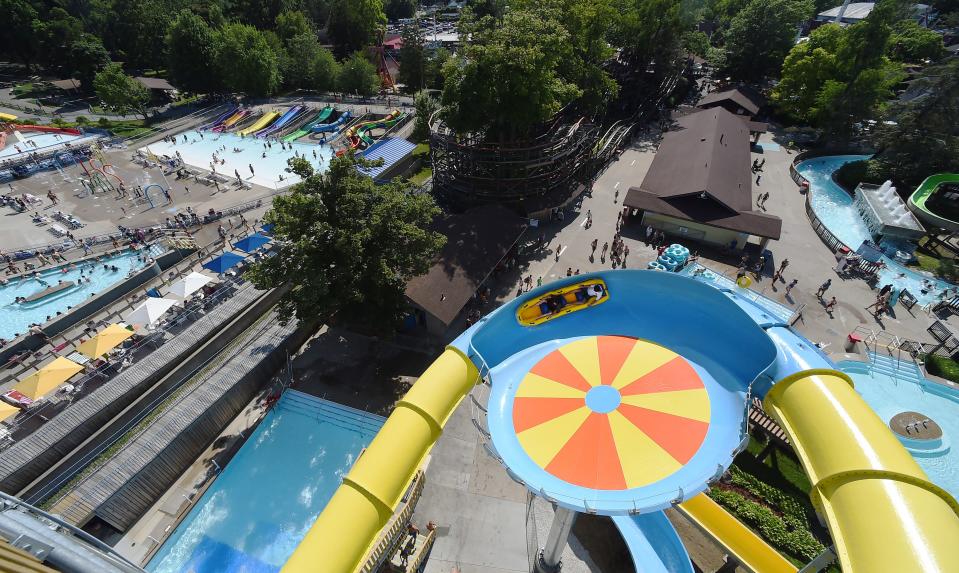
(536, 311)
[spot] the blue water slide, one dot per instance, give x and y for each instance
(284, 119)
(220, 119)
(335, 126)
(653, 543)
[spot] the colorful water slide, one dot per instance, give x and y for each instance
(740, 541)
(917, 201)
(883, 512)
(359, 133)
(48, 129)
(231, 121)
(264, 121)
(364, 503)
(220, 118)
(284, 119)
(653, 543)
(320, 118)
(333, 126)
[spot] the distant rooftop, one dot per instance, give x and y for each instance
(857, 11)
(155, 84)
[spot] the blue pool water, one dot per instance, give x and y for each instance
(259, 508)
(16, 318)
(41, 139)
(198, 152)
(834, 207)
(889, 396)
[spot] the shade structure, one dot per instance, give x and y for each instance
(7, 411)
(223, 263)
(47, 378)
(149, 312)
(268, 228)
(189, 284)
(250, 243)
(104, 341)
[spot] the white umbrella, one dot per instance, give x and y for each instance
(150, 311)
(189, 284)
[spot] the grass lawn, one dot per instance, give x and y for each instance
(421, 176)
(421, 149)
(943, 367)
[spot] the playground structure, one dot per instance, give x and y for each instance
(923, 201)
(358, 136)
(669, 366)
(530, 176)
(98, 178)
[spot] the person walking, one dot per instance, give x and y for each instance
(594, 243)
(831, 305)
(791, 285)
(649, 234)
(251, 169)
(539, 281)
(823, 288)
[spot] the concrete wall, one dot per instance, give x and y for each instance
(695, 231)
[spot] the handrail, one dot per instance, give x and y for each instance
(75, 531)
(387, 541)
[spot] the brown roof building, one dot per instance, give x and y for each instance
(476, 241)
(159, 84)
(741, 101)
(699, 185)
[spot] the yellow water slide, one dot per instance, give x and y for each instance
(343, 534)
(740, 541)
(883, 512)
(264, 121)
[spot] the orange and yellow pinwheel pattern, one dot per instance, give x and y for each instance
(611, 412)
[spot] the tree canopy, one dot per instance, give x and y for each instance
(760, 36)
(354, 24)
(347, 246)
(426, 106)
(841, 75)
(357, 75)
(412, 59)
(121, 92)
(191, 48)
(247, 60)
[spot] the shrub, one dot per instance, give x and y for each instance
(868, 171)
(104, 122)
(782, 532)
(944, 367)
(947, 269)
(82, 120)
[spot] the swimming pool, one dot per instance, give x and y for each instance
(888, 395)
(261, 505)
(16, 318)
(199, 148)
(834, 207)
(41, 139)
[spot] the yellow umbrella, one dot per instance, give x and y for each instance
(6, 410)
(104, 341)
(47, 378)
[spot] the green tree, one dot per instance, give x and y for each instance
(922, 136)
(55, 34)
(508, 80)
(483, 8)
(434, 68)
(806, 69)
(347, 246)
(191, 51)
(120, 92)
(308, 65)
(412, 59)
(17, 38)
(354, 24)
(912, 43)
(291, 24)
(696, 42)
(426, 106)
(138, 32)
(357, 76)
(399, 9)
(324, 70)
(247, 62)
(760, 36)
(87, 56)
(650, 33)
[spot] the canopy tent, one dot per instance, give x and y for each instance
(105, 340)
(189, 284)
(251, 243)
(6, 411)
(150, 311)
(223, 263)
(47, 378)
(268, 228)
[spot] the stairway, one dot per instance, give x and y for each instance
(906, 369)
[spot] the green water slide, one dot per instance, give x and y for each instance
(364, 131)
(324, 114)
(919, 199)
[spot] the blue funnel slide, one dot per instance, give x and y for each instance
(653, 543)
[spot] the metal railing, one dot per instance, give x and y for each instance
(388, 539)
(824, 233)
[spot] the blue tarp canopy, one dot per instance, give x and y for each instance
(268, 228)
(223, 263)
(251, 243)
